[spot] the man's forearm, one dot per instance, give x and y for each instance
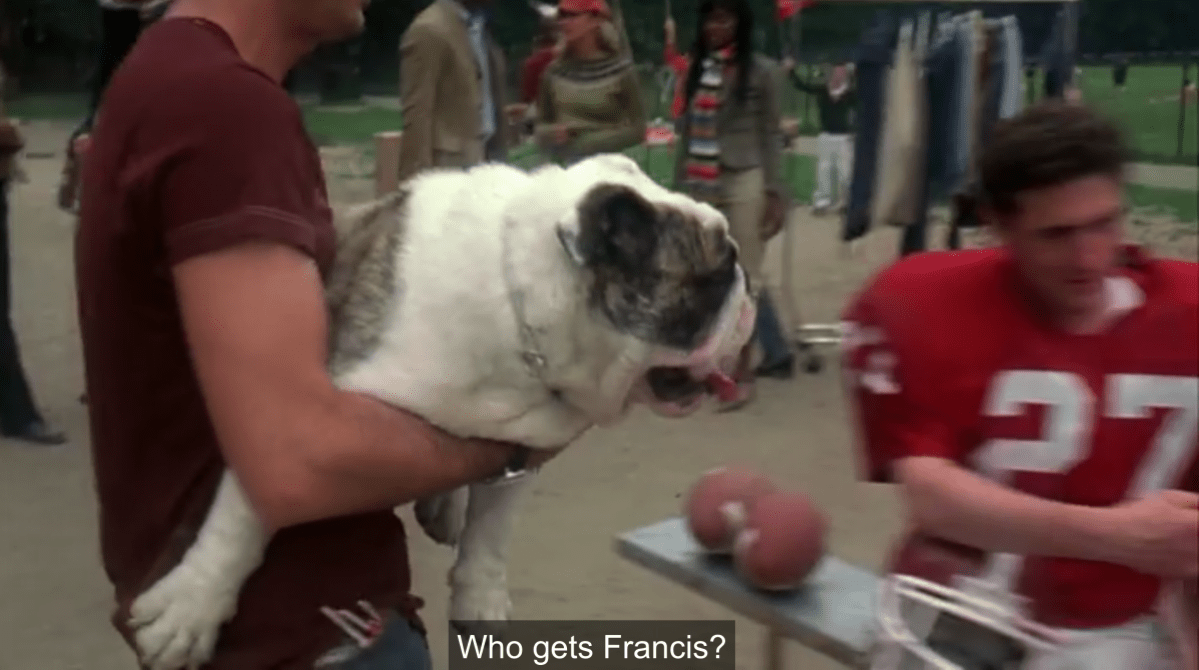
(955, 504)
(359, 455)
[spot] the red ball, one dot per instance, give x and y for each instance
(782, 542)
(718, 503)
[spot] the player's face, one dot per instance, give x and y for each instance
(1066, 240)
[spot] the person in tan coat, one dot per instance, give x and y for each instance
(452, 91)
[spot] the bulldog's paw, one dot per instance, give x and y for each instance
(443, 517)
(480, 606)
(176, 622)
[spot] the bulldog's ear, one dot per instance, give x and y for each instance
(616, 227)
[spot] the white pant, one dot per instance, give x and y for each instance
(834, 156)
(1140, 644)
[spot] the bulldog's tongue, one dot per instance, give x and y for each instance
(722, 386)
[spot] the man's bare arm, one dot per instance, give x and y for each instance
(302, 449)
(1154, 534)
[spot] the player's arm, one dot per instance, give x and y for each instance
(237, 209)
(905, 438)
(422, 53)
(950, 502)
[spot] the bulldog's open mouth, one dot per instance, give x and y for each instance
(682, 386)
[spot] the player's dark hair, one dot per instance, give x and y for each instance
(1049, 143)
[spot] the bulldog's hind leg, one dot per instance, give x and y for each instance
(177, 620)
(479, 578)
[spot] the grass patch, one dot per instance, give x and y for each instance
(47, 107)
(1148, 108)
(349, 125)
(1181, 205)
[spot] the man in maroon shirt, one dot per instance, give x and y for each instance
(204, 236)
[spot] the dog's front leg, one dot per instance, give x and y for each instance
(479, 578)
(177, 620)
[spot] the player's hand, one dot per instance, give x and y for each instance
(1156, 535)
(788, 64)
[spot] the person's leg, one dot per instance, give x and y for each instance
(825, 164)
(399, 647)
(746, 204)
(777, 359)
(19, 418)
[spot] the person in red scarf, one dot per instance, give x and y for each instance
(730, 156)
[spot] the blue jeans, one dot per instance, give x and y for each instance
(769, 332)
(874, 55)
(399, 647)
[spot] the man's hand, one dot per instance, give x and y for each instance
(774, 215)
(1156, 535)
(788, 64)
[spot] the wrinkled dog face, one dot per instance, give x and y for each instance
(662, 269)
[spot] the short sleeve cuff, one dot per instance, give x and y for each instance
(246, 224)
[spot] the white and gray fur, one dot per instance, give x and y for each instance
(494, 303)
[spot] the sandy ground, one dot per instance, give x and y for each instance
(56, 600)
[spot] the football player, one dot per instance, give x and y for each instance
(1037, 405)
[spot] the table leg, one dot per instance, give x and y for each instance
(774, 650)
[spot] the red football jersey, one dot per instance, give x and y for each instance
(944, 358)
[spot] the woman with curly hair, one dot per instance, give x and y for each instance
(730, 155)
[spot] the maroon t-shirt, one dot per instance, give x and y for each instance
(194, 151)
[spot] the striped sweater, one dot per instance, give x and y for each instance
(598, 101)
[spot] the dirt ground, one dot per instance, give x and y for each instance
(54, 614)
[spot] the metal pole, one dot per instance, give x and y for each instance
(1071, 18)
(1182, 107)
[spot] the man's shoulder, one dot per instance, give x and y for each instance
(190, 60)
(1174, 280)
(432, 22)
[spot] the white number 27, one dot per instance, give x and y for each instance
(1069, 423)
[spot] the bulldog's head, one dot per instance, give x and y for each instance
(661, 270)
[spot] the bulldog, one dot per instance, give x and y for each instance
(496, 303)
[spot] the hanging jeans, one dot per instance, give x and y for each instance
(17, 410)
(875, 52)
